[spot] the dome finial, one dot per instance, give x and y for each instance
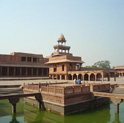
(61, 38)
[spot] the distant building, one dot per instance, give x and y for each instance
(63, 65)
(23, 64)
(120, 70)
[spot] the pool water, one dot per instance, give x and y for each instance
(29, 114)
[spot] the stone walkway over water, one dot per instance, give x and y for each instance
(15, 92)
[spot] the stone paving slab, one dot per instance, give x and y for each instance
(22, 78)
(120, 80)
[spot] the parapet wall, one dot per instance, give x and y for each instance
(66, 93)
(60, 97)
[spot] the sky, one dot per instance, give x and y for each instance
(93, 28)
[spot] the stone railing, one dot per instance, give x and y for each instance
(66, 94)
(52, 89)
(76, 89)
(101, 88)
(65, 90)
(31, 87)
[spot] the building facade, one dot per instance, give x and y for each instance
(120, 71)
(63, 65)
(23, 64)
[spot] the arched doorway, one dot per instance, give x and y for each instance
(86, 77)
(80, 76)
(70, 77)
(75, 76)
(98, 77)
(92, 77)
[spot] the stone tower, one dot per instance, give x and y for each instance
(61, 61)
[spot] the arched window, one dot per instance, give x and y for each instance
(55, 67)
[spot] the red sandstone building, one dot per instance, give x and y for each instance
(63, 65)
(23, 64)
(120, 71)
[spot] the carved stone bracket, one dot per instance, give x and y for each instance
(39, 99)
(13, 101)
(116, 102)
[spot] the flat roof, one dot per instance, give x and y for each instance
(20, 65)
(65, 60)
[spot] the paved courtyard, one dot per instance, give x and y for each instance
(15, 81)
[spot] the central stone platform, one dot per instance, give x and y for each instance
(65, 98)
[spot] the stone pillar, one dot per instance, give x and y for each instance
(82, 77)
(91, 87)
(38, 98)
(77, 76)
(72, 76)
(13, 101)
(116, 102)
(116, 108)
(102, 76)
(95, 77)
(60, 77)
(108, 76)
(66, 77)
(89, 77)
(53, 77)
(56, 76)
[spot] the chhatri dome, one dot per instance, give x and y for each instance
(61, 38)
(61, 47)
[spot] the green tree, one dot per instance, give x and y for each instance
(102, 64)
